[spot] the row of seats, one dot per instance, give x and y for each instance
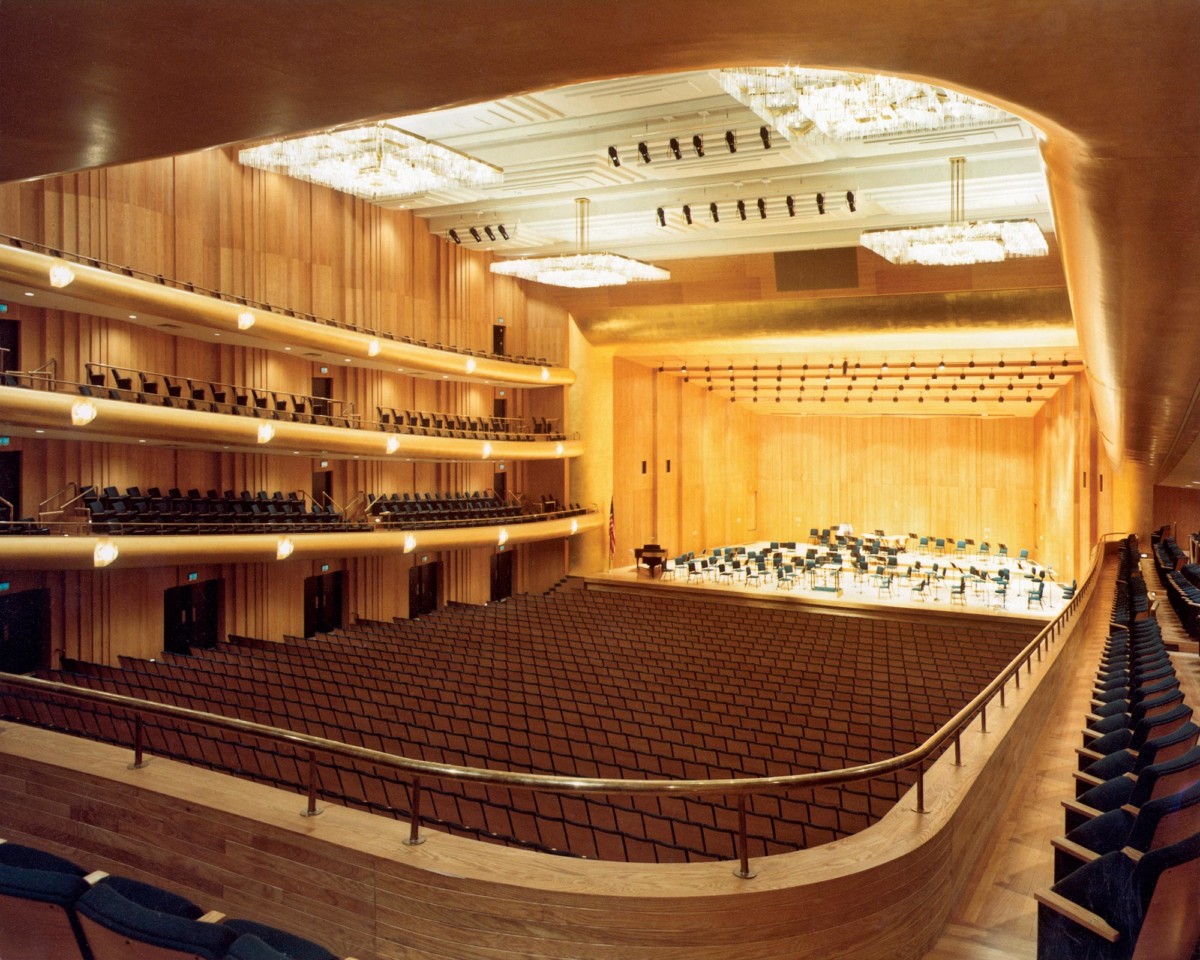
(457, 509)
(1180, 580)
(261, 305)
(1127, 868)
(424, 423)
(20, 527)
(152, 512)
(53, 908)
(584, 684)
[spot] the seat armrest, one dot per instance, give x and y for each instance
(94, 877)
(1089, 755)
(1080, 853)
(1087, 778)
(1132, 853)
(1074, 806)
(1076, 914)
(213, 916)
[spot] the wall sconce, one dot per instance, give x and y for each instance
(503, 538)
(558, 450)
(393, 444)
(373, 347)
(545, 373)
(574, 527)
(266, 433)
(105, 553)
(284, 548)
(410, 543)
(61, 275)
(245, 320)
(487, 450)
(83, 412)
(471, 365)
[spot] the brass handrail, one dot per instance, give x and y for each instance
(951, 730)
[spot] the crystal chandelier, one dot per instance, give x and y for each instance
(375, 162)
(581, 269)
(958, 242)
(851, 106)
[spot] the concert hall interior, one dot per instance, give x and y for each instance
(440, 542)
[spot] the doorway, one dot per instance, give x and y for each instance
(423, 582)
(502, 576)
(192, 616)
(322, 603)
(10, 485)
(25, 631)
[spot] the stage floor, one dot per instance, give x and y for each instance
(865, 591)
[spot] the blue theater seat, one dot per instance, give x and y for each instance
(38, 893)
(257, 941)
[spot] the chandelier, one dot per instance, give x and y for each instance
(851, 106)
(958, 242)
(374, 162)
(581, 269)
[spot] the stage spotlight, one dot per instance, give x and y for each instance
(614, 156)
(490, 233)
(687, 214)
(791, 205)
(742, 209)
(644, 151)
(850, 201)
(454, 235)
(821, 204)
(765, 134)
(662, 217)
(503, 232)
(731, 141)
(698, 145)
(675, 151)
(475, 233)
(712, 209)
(762, 208)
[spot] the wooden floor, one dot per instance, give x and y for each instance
(996, 918)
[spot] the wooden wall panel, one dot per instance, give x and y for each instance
(204, 219)
(1178, 509)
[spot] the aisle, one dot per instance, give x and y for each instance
(996, 917)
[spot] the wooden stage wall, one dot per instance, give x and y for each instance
(738, 476)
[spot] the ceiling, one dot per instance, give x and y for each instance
(554, 147)
(1111, 87)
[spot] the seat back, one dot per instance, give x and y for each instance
(37, 896)
(1166, 882)
(118, 928)
(1166, 777)
(1167, 820)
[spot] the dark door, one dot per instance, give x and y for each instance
(322, 487)
(322, 603)
(498, 339)
(423, 589)
(502, 576)
(10, 484)
(25, 631)
(322, 391)
(10, 354)
(500, 484)
(192, 616)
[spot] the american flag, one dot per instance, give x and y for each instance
(612, 533)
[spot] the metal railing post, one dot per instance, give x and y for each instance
(138, 760)
(743, 870)
(311, 810)
(983, 718)
(957, 750)
(414, 830)
(921, 787)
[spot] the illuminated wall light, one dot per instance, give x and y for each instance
(487, 450)
(574, 526)
(83, 412)
(471, 365)
(284, 547)
(558, 450)
(373, 347)
(410, 543)
(393, 444)
(245, 320)
(545, 373)
(266, 433)
(61, 275)
(503, 538)
(105, 553)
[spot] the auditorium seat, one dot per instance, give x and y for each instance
(1118, 908)
(257, 941)
(38, 893)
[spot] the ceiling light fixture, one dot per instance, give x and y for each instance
(583, 268)
(675, 151)
(476, 235)
(644, 151)
(741, 208)
(687, 214)
(765, 133)
(712, 209)
(490, 233)
(376, 161)
(959, 241)
(791, 205)
(662, 217)
(821, 204)
(762, 208)
(731, 141)
(850, 201)
(454, 236)
(503, 232)
(614, 156)
(806, 103)
(698, 145)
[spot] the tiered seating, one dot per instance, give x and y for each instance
(261, 305)
(111, 512)
(453, 510)
(585, 684)
(1127, 869)
(462, 426)
(23, 527)
(49, 908)
(1181, 581)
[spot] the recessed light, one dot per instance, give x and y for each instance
(133, 316)
(216, 334)
(347, 359)
(29, 293)
(287, 348)
(39, 431)
(141, 441)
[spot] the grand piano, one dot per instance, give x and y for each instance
(653, 556)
